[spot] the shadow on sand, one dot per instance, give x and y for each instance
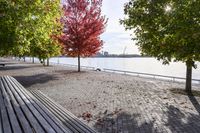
(7, 67)
(70, 72)
(175, 121)
(16, 66)
(28, 81)
(194, 102)
(123, 122)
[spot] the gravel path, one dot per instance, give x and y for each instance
(112, 103)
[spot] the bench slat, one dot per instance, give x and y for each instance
(44, 112)
(68, 114)
(2, 64)
(25, 112)
(23, 121)
(5, 120)
(1, 129)
(51, 119)
(34, 111)
(33, 121)
(66, 122)
(64, 114)
(13, 119)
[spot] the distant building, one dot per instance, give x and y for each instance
(99, 54)
(105, 53)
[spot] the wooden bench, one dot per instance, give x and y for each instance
(2, 64)
(25, 112)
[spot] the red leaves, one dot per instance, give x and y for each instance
(86, 116)
(83, 25)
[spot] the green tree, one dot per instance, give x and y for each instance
(46, 25)
(28, 25)
(46, 51)
(15, 26)
(166, 29)
(7, 27)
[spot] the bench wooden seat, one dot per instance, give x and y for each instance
(2, 64)
(66, 117)
(21, 112)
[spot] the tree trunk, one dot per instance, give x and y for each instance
(79, 64)
(47, 61)
(43, 60)
(24, 59)
(33, 60)
(188, 86)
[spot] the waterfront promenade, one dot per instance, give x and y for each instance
(112, 103)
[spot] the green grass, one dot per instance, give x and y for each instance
(183, 92)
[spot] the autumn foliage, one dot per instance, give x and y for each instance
(82, 26)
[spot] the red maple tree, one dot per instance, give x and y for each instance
(82, 26)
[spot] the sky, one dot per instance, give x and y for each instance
(115, 38)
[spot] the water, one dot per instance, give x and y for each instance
(144, 65)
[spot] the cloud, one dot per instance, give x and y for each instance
(115, 36)
(116, 42)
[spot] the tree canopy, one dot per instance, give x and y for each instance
(7, 26)
(26, 27)
(82, 26)
(167, 29)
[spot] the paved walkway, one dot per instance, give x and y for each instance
(114, 103)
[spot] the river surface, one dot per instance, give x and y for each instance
(144, 65)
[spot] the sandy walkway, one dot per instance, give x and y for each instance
(112, 102)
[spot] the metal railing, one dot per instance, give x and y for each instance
(155, 76)
(139, 74)
(71, 65)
